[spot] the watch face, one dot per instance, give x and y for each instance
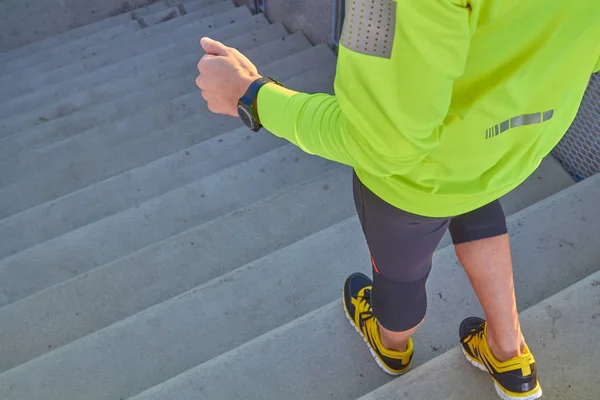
(246, 117)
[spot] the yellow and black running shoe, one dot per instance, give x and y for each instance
(357, 303)
(515, 379)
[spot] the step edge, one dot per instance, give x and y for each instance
(89, 131)
(263, 337)
(588, 280)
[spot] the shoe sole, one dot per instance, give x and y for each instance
(373, 354)
(503, 395)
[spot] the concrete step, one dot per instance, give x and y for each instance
(116, 147)
(121, 97)
(189, 29)
(191, 6)
(79, 208)
(176, 211)
(160, 16)
(263, 47)
(188, 5)
(158, 6)
(17, 69)
(129, 68)
(166, 14)
(12, 58)
(328, 358)
(107, 294)
(562, 332)
(78, 50)
(102, 43)
(39, 306)
(107, 53)
(29, 55)
(211, 328)
(8, 58)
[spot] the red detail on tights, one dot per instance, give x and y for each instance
(375, 265)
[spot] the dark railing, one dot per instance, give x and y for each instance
(258, 6)
(339, 12)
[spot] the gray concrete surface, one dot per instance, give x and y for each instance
(79, 50)
(27, 21)
(10, 56)
(331, 361)
(82, 207)
(156, 6)
(107, 53)
(17, 68)
(271, 46)
(190, 6)
(73, 99)
(564, 254)
(120, 98)
(160, 16)
(181, 9)
(341, 198)
(257, 313)
(181, 209)
(107, 294)
(131, 68)
(86, 164)
(562, 332)
(50, 220)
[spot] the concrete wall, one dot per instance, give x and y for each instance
(26, 21)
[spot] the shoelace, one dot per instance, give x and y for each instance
(474, 339)
(365, 303)
(476, 336)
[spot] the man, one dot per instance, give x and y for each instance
(441, 108)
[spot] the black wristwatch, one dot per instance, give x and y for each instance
(247, 104)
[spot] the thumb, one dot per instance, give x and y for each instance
(213, 47)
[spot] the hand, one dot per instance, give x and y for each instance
(225, 75)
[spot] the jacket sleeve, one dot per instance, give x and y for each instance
(388, 110)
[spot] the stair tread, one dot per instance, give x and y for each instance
(106, 53)
(128, 285)
(18, 68)
(114, 99)
(78, 49)
(319, 342)
(308, 339)
(85, 30)
(332, 191)
(79, 208)
(56, 40)
(130, 67)
(562, 333)
(156, 219)
(109, 149)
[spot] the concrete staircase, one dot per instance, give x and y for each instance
(152, 250)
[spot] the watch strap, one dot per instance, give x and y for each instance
(249, 98)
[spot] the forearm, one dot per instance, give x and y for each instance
(317, 124)
(313, 122)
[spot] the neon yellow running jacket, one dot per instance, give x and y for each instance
(442, 106)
